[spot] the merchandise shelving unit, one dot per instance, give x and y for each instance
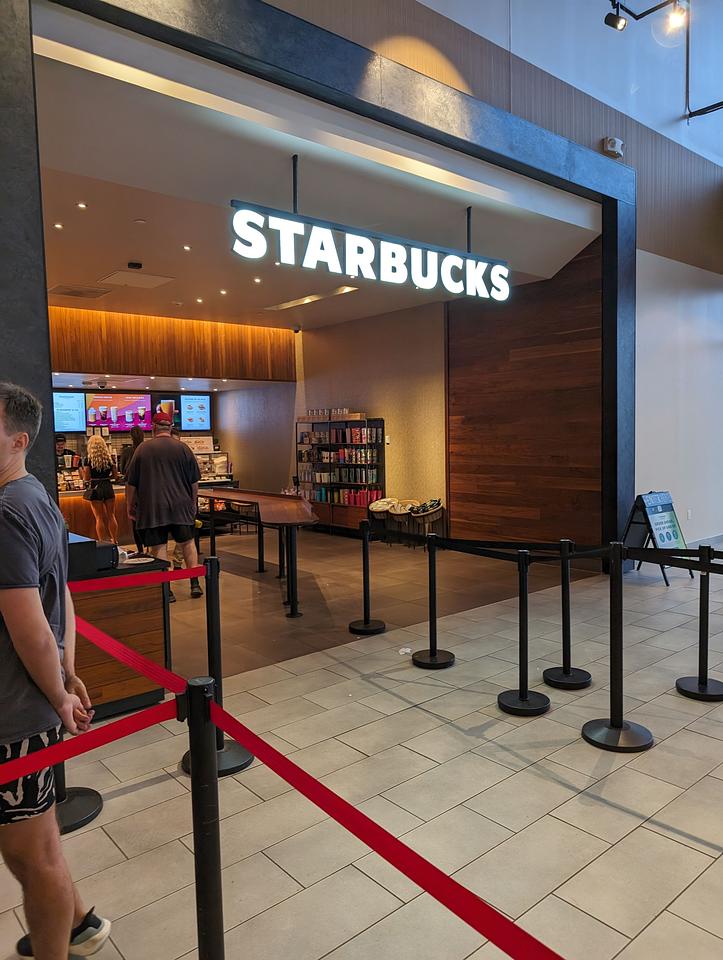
(340, 465)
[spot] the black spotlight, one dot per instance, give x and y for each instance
(614, 20)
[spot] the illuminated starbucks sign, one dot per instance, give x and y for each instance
(296, 241)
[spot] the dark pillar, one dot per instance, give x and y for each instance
(25, 354)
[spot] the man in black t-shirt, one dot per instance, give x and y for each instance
(162, 494)
(38, 689)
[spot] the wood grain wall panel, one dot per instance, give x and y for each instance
(93, 340)
(524, 410)
(680, 194)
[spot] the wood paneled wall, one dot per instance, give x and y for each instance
(94, 340)
(680, 194)
(525, 412)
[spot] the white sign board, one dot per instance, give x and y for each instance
(314, 244)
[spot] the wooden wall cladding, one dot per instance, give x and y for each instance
(680, 194)
(94, 340)
(525, 410)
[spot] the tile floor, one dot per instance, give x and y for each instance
(599, 855)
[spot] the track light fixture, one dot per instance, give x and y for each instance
(676, 19)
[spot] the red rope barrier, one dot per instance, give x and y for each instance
(136, 661)
(84, 742)
(482, 917)
(135, 580)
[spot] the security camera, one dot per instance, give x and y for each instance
(613, 147)
(102, 384)
(297, 329)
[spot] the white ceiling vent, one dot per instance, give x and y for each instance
(135, 278)
(77, 291)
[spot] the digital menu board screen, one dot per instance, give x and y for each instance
(170, 404)
(119, 411)
(195, 411)
(69, 412)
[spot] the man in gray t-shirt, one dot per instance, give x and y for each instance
(38, 689)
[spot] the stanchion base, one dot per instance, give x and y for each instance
(432, 661)
(532, 706)
(576, 679)
(294, 616)
(691, 687)
(80, 807)
(232, 759)
(363, 629)
(630, 738)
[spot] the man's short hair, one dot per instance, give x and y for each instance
(21, 411)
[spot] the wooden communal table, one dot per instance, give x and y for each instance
(276, 510)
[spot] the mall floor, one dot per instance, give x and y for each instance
(599, 855)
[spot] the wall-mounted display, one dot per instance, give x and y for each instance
(169, 403)
(195, 411)
(69, 412)
(118, 412)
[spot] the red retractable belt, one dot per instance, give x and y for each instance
(134, 580)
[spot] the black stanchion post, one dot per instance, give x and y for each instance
(75, 807)
(523, 702)
(232, 757)
(567, 677)
(702, 687)
(212, 527)
(432, 659)
(292, 573)
(366, 627)
(617, 734)
(261, 566)
(206, 832)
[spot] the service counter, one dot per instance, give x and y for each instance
(139, 618)
(79, 514)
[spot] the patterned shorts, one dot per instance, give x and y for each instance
(32, 795)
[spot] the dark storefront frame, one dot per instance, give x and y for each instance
(261, 40)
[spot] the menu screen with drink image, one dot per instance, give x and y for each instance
(119, 411)
(195, 411)
(163, 403)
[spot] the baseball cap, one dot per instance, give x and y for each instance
(162, 419)
(60, 438)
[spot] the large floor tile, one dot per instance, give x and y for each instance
(10, 933)
(695, 817)
(365, 779)
(453, 739)
(275, 715)
(637, 878)
(670, 938)
(388, 877)
(529, 743)
(701, 902)
(330, 723)
(421, 930)
(317, 852)
(89, 853)
(312, 923)
(681, 759)
(447, 785)
(617, 804)
(455, 838)
(528, 795)
(570, 932)
(530, 865)
(128, 886)
(318, 760)
(347, 691)
(143, 760)
(406, 694)
(591, 761)
(166, 929)
(297, 686)
(460, 703)
(386, 732)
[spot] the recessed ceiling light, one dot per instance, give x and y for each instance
(153, 378)
(58, 226)
(189, 378)
(199, 299)
(107, 376)
(224, 380)
(113, 386)
(215, 389)
(81, 206)
(70, 385)
(186, 247)
(277, 264)
(223, 292)
(257, 279)
(183, 388)
(56, 374)
(140, 220)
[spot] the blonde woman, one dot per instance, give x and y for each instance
(98, 473)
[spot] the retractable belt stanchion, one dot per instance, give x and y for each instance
(292, 574)
(523, 702)
(232, 757)
(567, 676)
(206, 832)
(261, 566)
(702, 687)
(366, 627)
(616, 734)
(282, 555)
(432, 659)
(74, 806)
